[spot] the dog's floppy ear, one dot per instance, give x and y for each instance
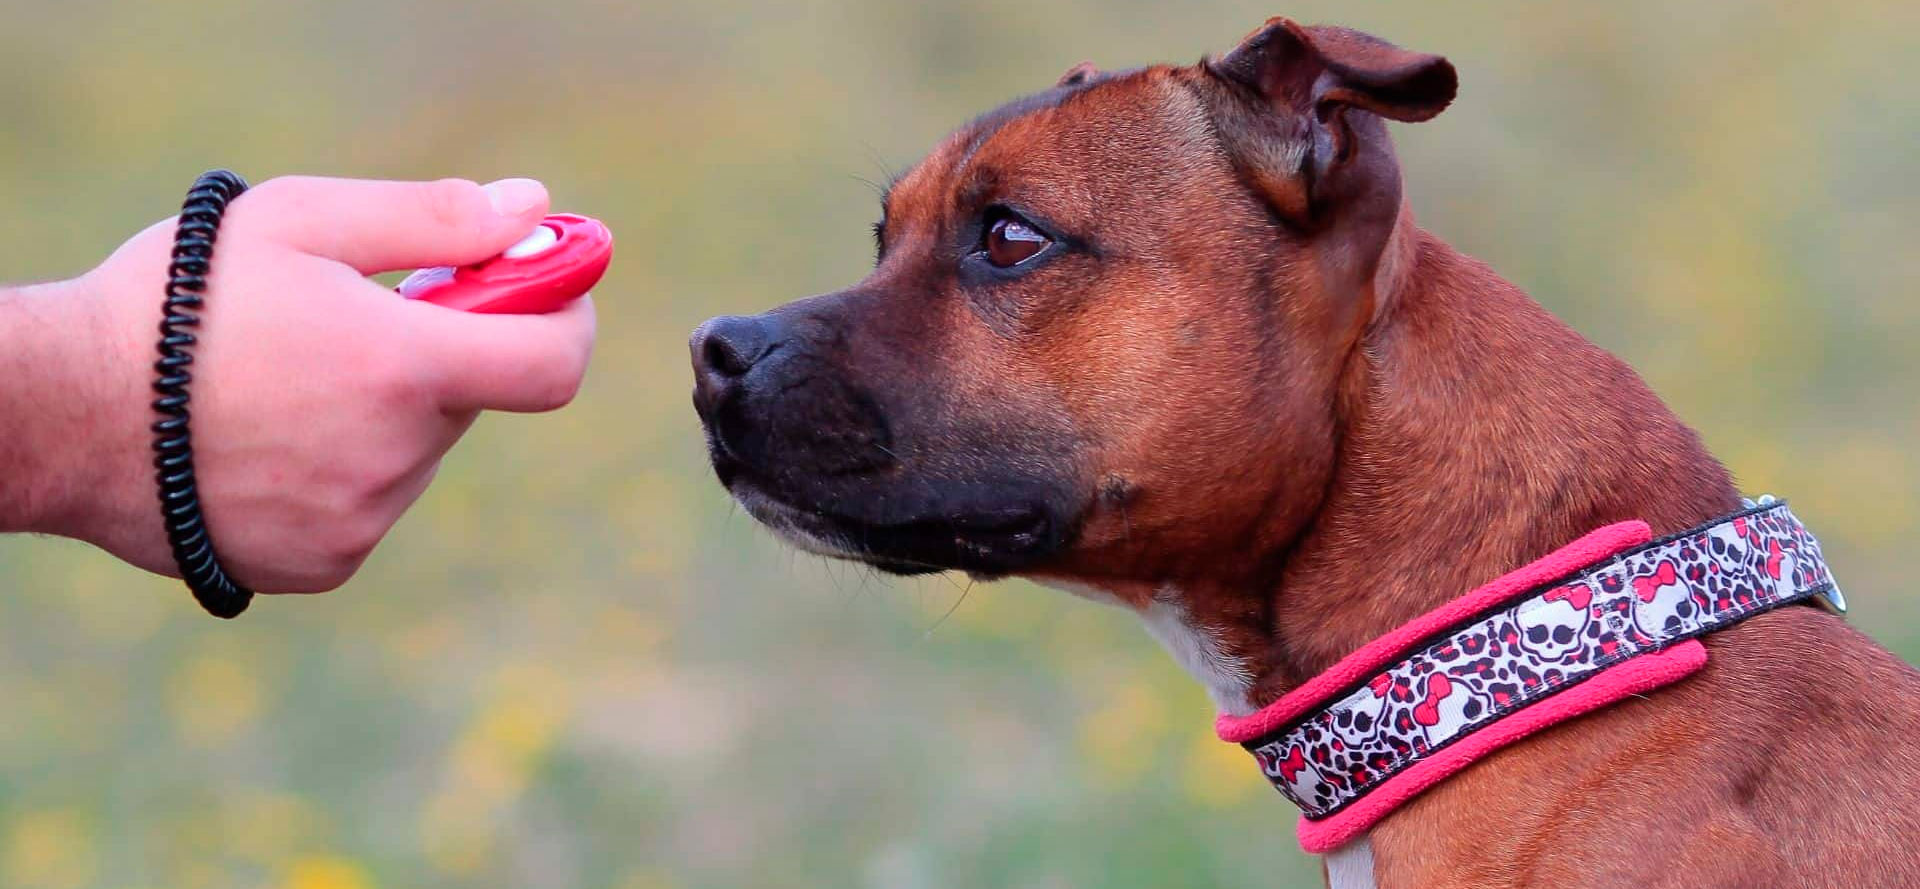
(1307, 79)
(1322, 69)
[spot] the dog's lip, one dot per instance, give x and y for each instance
(1018, 523)
(725, 465)
(984, 541)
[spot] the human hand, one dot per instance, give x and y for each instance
(322, 401)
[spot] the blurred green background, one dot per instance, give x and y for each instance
(575, 665)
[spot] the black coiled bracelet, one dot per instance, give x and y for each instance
(172, 441)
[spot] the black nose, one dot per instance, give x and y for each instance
(726, 347)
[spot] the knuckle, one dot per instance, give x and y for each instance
(451, 202)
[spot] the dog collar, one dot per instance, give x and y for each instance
(1612, 614)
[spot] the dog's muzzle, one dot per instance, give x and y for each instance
(801, 441)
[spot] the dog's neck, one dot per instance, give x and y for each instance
(1478, 433)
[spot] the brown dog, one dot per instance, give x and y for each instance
(1171, 337)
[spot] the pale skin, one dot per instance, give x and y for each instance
(322, 401)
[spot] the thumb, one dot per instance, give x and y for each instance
(380, 226)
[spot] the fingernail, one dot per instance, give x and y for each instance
(514, 197)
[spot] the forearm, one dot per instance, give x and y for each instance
(52, 351)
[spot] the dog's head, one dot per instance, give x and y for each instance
(1105, 333)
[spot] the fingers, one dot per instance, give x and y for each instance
(379, 226)
(521, 363)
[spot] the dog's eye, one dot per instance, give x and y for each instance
(1011, 240)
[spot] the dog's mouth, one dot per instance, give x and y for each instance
(986, 541)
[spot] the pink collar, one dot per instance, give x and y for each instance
(1612, 614)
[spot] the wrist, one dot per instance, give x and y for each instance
(68, 459)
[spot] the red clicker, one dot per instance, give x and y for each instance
(560, 261)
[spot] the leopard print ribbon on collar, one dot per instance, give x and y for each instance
(1454, 683)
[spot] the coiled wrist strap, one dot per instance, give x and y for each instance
(187, 276)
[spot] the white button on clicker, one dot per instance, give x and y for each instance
(542, 238)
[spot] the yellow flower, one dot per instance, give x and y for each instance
(326, 872)
(49, 849)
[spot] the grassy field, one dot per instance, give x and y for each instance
(573, 665)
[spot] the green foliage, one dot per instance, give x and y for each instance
(574, 665)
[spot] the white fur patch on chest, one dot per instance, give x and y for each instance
(1226, 677)
(1195, 648)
